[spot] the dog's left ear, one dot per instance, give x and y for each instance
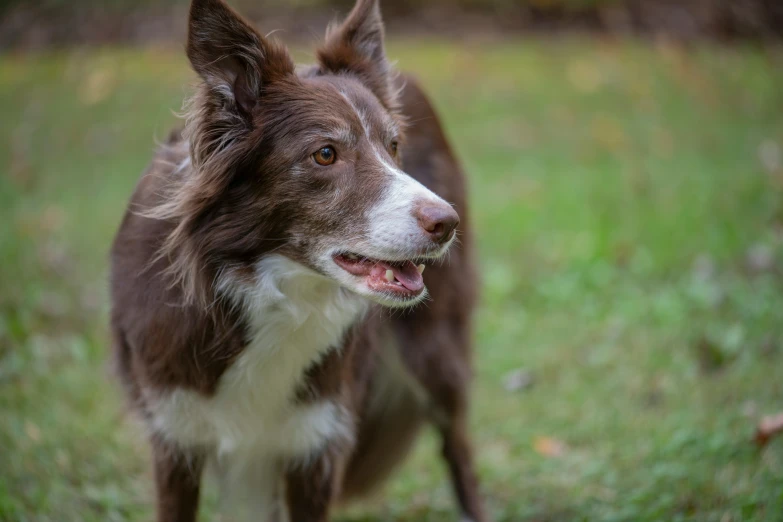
(356, 47)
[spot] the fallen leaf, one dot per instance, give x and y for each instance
(518, 380)
(549, 447)
(769, 427)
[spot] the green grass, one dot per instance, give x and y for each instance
(621, 193)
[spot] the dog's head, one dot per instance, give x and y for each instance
(305, 163)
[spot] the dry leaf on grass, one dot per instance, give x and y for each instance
(768, 428)
(549, 447)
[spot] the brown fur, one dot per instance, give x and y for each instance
(225, 195)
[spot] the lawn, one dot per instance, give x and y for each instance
(628, 199)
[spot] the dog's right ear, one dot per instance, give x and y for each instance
(231, 57)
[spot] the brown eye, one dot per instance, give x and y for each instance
(393, 148)
(325, 156)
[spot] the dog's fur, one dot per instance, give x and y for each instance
(238, 338)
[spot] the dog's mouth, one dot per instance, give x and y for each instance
(402, 279)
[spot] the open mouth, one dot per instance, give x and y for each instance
(402, 279)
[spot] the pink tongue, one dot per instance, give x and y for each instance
(407, 274)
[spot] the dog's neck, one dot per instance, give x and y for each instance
(283, 296)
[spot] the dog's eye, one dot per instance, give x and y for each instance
(393, 148)
(325, 156)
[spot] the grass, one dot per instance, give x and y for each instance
(629, 204)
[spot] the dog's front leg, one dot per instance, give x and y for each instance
(311, 487)
(177, 480)
(250, 486)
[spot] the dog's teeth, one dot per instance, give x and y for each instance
(352, 257)
(421, 268)
(389, 276)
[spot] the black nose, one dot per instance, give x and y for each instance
(439, 222)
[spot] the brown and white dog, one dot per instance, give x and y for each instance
(254, 270)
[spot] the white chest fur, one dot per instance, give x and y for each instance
(295, 316)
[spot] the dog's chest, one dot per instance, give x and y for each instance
(294, 318)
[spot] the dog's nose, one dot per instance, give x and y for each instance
(439, 222)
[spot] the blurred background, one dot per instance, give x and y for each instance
(625, 161)
(47, 22)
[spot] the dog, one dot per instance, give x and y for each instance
(268, 279)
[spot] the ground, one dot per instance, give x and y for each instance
(628, 199)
